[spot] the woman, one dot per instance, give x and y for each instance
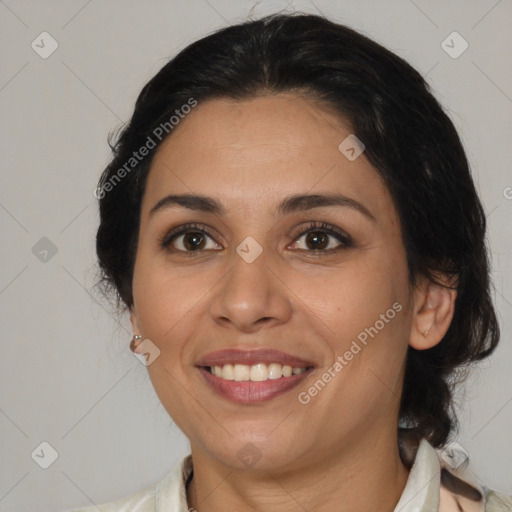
(290, 220)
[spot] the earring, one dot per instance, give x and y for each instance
(425, 333)
(136, 340)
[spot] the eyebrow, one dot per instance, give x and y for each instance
(295, 203)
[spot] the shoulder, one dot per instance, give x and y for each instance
(168, 494)
(457, 487)
(461, 491)
(141, 501)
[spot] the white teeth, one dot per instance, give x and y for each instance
(241, 372)
(257, 372)
(275, 371)
(217, 370)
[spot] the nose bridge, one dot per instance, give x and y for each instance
(250, 291)
(248, 279)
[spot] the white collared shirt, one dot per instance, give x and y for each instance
(423, 491)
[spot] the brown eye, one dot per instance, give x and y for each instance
(193, 240)
(318, 238)
(188, 239)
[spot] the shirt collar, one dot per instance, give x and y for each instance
(171, 493)
(421, 492)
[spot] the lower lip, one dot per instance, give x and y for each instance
(251, 391)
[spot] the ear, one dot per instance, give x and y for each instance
(434, 306)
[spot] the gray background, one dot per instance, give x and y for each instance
(67, 376)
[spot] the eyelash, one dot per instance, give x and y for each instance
(346, 241)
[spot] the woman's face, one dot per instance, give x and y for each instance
(253, 281)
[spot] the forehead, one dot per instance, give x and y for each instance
(260, 149)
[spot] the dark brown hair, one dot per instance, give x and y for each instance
(409, 140)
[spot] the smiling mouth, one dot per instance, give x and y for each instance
(247, 391)
(259, 372)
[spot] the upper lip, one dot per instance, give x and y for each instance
(251, 357)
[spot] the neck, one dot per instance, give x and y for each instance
(369, 476)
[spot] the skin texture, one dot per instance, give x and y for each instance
(339, 451)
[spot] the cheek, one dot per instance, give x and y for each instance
(168, 305)
(353, 296)
(364, 306)
(168, 302)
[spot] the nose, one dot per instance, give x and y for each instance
(251, 296)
